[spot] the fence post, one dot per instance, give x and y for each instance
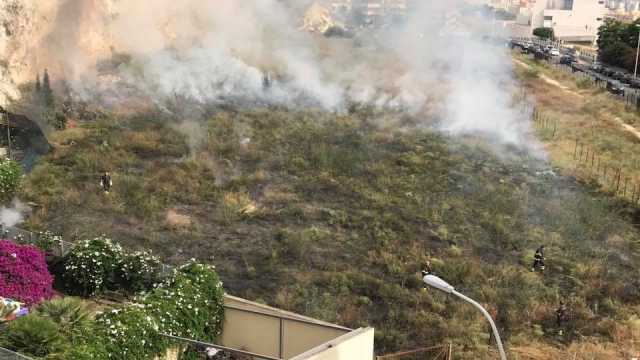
(581, 150)
(575, 150)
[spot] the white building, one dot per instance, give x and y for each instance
(571, 20)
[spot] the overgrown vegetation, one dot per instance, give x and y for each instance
(334, 216)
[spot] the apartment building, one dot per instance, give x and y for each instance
(571, 20)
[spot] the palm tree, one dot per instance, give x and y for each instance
(69, 313)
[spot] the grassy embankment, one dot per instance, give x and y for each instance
(333, 216)
(590, 116)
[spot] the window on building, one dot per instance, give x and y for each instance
(548, 18)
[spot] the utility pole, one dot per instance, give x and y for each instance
(635, 72)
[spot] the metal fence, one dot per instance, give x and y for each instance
(441, 352)
(6, 354)
(222, 350)
(21, 236)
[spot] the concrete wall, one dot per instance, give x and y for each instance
(272, 332)
(357, 345)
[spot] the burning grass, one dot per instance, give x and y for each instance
(334, 216)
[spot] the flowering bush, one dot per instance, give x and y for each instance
(139, 271)
(190, 304)
(48, 240)
(23, 273)
(10, 175)
(93, 266)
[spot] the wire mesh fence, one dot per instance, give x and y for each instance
(57, 247)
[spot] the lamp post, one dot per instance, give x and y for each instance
(635, 72)
(442, 285)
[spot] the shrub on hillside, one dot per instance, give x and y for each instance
(10, 175)
(23, 273)
(139, 271)
(96, 265)
(47, 241)
(93, 266)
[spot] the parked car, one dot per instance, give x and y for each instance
(554, 52)
(615, 87)
(596, 66)
(567, 60)
(635, 83)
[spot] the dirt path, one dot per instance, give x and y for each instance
(628, 128)
(549, 80)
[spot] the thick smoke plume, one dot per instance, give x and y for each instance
(254, 52)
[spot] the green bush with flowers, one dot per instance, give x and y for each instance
(139, 271)
(92, 266)
(96, 265)
(189, 304)
(10, 176)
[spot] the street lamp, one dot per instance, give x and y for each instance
(635, 72)
(442, 285)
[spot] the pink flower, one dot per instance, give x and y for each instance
(24, 275)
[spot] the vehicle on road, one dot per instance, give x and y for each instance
(615, 87)
(635, 83)
(554, 52)
(567, 60)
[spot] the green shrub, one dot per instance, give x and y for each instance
(139, 271)
(33, 335)
(10, 176)
(47, 241)
(93, 266)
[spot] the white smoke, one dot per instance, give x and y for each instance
(219, 52)
(14, 215)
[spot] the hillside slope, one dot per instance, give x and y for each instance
(334, 216)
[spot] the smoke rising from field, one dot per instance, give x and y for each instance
(14, 215)
(220, 52)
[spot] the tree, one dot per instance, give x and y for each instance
(617, 43)
(38, 85)
(47, 93)
(544, 33)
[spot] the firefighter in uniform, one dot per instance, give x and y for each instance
(538, 259)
